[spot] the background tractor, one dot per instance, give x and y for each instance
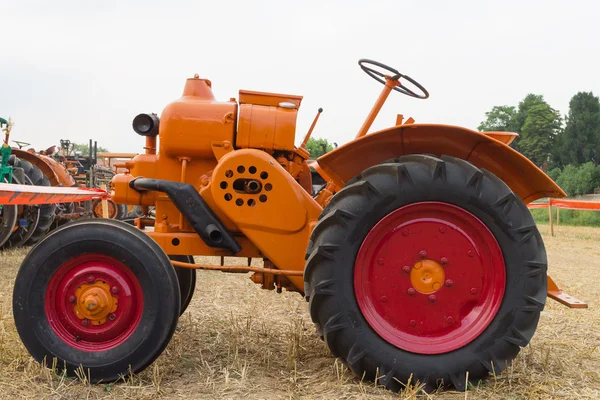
(419, 258)
(87, 172)
(63, 167)
(26, 224)
(21, 224)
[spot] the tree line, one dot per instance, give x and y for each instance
(566, 147)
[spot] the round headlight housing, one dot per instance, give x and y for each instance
(146, 124)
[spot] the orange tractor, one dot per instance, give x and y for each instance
(419, 257)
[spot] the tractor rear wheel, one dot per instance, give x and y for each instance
(97, 294)
(27, 221)
(426, 269)
(47, 211)
(8, 219)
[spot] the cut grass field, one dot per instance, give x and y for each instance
(239, 341)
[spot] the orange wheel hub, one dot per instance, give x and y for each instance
(94, 302)
(427, 276)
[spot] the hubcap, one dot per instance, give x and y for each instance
(429, 277)
(93, 302)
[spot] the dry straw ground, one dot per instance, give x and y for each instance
(238, 341)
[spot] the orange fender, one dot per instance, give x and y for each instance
(64, 178)
(524, 178)
(54, 171)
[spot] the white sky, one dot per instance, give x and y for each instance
(80, 69)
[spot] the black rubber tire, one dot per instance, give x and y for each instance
(32, 216)
(8, 219)
(47, 211)
(365, 200)
(185, 276)
(187, 281)
(146, 260)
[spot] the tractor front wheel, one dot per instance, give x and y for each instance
(98, 295)
(426, 269)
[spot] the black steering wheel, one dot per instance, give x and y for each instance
(21, 144)
(381, 78)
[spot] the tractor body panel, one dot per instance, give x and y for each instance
(267, 121)
(190, 124)
(520, 174)
(256, 192)
(277, 218)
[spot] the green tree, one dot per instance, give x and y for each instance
(538, 133)
(512, 119)
(498, 119)
(580, 140)
(318, 147)
(523, 108)
(554, 174)
(579, 180)
(84, 148)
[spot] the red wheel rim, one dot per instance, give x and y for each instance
(93, 302)
(429, 277)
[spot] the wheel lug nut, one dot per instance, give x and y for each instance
(406, 269)
(422, 254)
(405, 232)
(410, 291)
(90, 279)
(473, 290)
(114, 290)
(111, 316)
(380, 261)
(471, 253)
(449, 282)
(85, 322)
(413, 322)
(432, 298)
(72, 299)
(444, 260)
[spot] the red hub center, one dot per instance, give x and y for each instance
(429, 277)
(93, 302)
